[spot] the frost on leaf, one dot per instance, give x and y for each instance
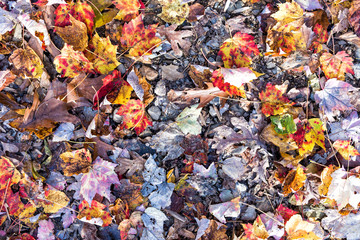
(94, 214)
(342, 226)
(273, 101)
(334, 98)
(335, 66)
(238, 50)
(98, 180)
(174, 11)
(76, 162)
(154, 223)
(128, 9)
(344, 189)
(134, 116)
(294, 180)
(71, 63)
(81, 11)
(345, 149)
(137, 38)
(226, 209)
(26, 63)
(104, 57)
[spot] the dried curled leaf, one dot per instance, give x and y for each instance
(139, 39)
(335, 66)
(174, 11)
(71, 63)
(294, 180)
(134, 116)
(26, 63)
(76, 162)
(238, 50)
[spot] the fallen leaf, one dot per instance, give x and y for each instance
(326, 179)
(335, 66)
(54, 200)
(154, 223)
(26, 63)
(273, 101)
(285, 213)
(196, 11)
(6, 78)
(171, 73)
(174, 11)
(130, 166)
(309, 5)
(187, 120)
(74, 34)
(297, 228)
(256, 230)
(46, 230)
(284, 124)
(36, 28)
(345, 149)
(226, 209)
(340, 226)
(294, 181)
(176, 38)
(354, 15)
(128, 9)
(76, 162)
(94, 214)
(213, 230)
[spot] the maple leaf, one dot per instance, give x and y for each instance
(174, 11)
(308, 135)
(76, 162)
(139, 39)
(335, 66)
(81, 11)
(128, 9)
(288, 12)
(104, 57)
(26, 63)
(326, 179)
(238, 50)
(71, 63)
(226, 209)
(273, 101)
(98, 180)
(134, 116)
(284, 124)
(344, 189)
(94, 214)
(54, 200)
(294, 180)
(345, 149)
(74, 34)
(46, 230)
(297, 228)
(334, 98)
(285, 213)
(321, 37)
(176, 38)
(255, 231)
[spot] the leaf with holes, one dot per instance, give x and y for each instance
(134, 116)
(345, 149)
(76, 162)
(238, 50)
(335, 66)
(98, 180)
(71, 63)
(273, 101)
(94, 214)
(137, 38)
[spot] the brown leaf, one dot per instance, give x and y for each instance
(215, 230)
(176, 38)
(6, 77)
(74, 34)
(26, 63)
(130, 166)
(200, 75)
(196, 11)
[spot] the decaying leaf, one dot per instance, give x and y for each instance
(176, 38)
(294, 181)
(76, 162)
(174, 11)
(26, 63)
(94, 214)
(74, 34)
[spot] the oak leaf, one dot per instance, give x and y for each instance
(174, 11)
(76, 162)
(71, 63)
(134, 116)
(345, 149)
(273, 101)
(238, 50)
(26, 63)
(137, 38)
(335, 66)
(94, 214)
(104, 56)
(128, 9)
(74, 34)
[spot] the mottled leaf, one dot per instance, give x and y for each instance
(226, 209)
(74, 34)
(294, 180)
(128, 9)
(335, 66)
(284, 124)
(273, 101)
(26, 63)
(76, 162)
(345, 149)
(174, 11)
(94, 214)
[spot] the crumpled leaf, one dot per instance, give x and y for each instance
(273, 101)
(345, 149)
(353, 16)
(334, 98)
(71, 63)
(335, 66)
(238, 50)
(174, 11)
(255, 231)
(188, 120)
(226, 209)
(341, 226)
(176, 38)
(6, 78)
(154, 224)
(344, 189)
(130, 166)
(134, 116)
(26, 63)
(294, 181)
(76, 162)
(94, 214)
(46, 230)
(153, 176)
(161, 198)
(210, 229)
(98, 180)
(137, 38)
(74, 34)
(297, 228)
(348, 128)
(128, 9)
(104, 57)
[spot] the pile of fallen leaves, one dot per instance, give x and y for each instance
(83, 158)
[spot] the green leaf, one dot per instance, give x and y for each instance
(284, 124)
(187, 120)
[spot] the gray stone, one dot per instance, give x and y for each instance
(154, 113)
(121, 68)
(249, 214)
(356, 68)
(270, 65)
(160, 88)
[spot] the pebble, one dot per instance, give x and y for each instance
(213, 43)
(270, 65)
(160, 88)
(249, 214)
(154, 112)
(121, 68)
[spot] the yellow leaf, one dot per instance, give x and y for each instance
(174, 11)
(326, 179)
(76, 162)
(124, 95)
(297, 228)
(26, 63)
(54, 201)
(288, 12)
(74, 34)
(345, 149)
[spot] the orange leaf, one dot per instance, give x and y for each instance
(74, 34)
(219, 80)
(273, 101)
(128, 9)
(134, 116)
(297, 228)
(71, 63)
(326, 179)
(76, 162)
(94, 214)
(138, 38)
(238, 50)
(335, 66)
(294, 181)
(345, 149)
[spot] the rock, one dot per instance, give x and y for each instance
(171, 73)
(121, 68)
(249, 214)
(213, 43)
(356, 69)
(270, 65)
(154, 113)
(160, 88)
